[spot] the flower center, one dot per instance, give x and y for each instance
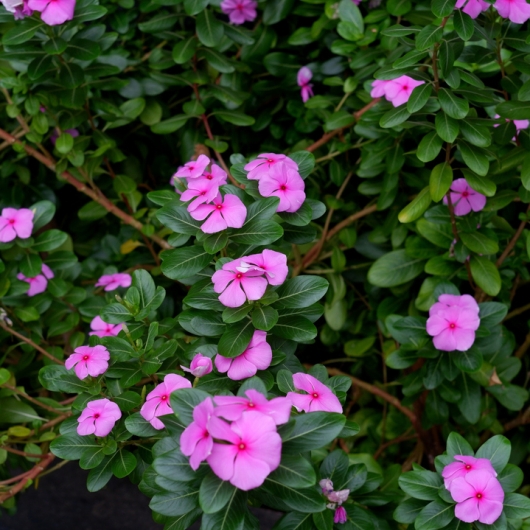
(191, 168)
(465, 194)
(240, 7)
(315, 395)
(209, 177)
(479, 495)
(205, 434)
(203, 193)
(242, 446)
(283, 187)
(11, 221)
(468, 467)
(164, 397)
(270, 160)
(239, 275)
(219, 206)
(452, 325)
(97, 415)
(85, 357)
(251, 405)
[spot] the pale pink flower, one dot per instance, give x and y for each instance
(465, 301)
(74, 133)
(327, 485)
(89, 360)
(22, 11)
(398, 91)
(253, 450)
(158, 403)
(464, 198)
(38, 283)
(232, 407)
(260, 167)
(103, 329)
(303, 78)
(518, 11)
(11, 5)
(338, 496)
(319, 397)
(479, 496)
(98, 418)
(113, 281)
(239, 11)
(227, 212)
(196, 441)
(273, 264)
(200, 365)
(379, 88)
(520, 125)
(287, 185)
(193, 168)
(202, 190)
(473, 8)
(465, 465)
(15, 223)
(236, 287)
(340, 516)
(54, 12)
(257, 356)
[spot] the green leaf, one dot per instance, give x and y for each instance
(443, 8)
(452, 105)
(437, 514)
(215, 242)
(184, 262)
(184, 50)
(394, 117)
(410, 59)
(136, 424)
(116, 314)
(264, 318)
(463, 24)
(486, 275)
(175, 215)
(235, 117)
(296, 328)
(469, 404)
(440, 181)
(230, 517)
(92, 457)
(408, 510)
(468, 361)
(171, 125)
(423, 484)
(214, 493)
(209, 29)
(92, 211)
(72, 446)
(184, 401)
(417, 207)
(216, 60)
(497, 449)
(128, 400)
(446, 127)
(305, 161)
(457, 445)
(492, 313)
(428, 36)
(295, 471)
(306, 500)
(30, 265)
(474, 158)
(479, 243)
(419, 97)
(43, 214)
(22, 32)
(514, 110)
(124, 463)
(475, 134)
(179, 501)
(301, 292)
(516, 506)
(257, 232)
(480, 184)
(276, 10)
(394, 268)
(236, 338)
(193, 7)
(511, 478)
(100, 475)
(71, 75)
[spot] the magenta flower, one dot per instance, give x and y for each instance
(54, 12)
(464, 301)
(15, 223)
(379, 88)
(217, 174)
(239, 11)
(193, 169)
(519, 125)
(287, 185)
(196, 441)
(74, 133)
(464, 198)
(340, 516)
(98, 418)
(88, 360)
(103, 329)
(473, 8)
(227, 212)
(518, 11)
(253, 450)
(236, 287)
(38, 283)
(157, 402)
(260, 167)
(398, 91)
(303, 78)
(273, 264)
(231, 408)
(113, 281)
(479, 496)
(465, 465)
(257, 356)
(200, 365)
(202, 190)
(318, 398)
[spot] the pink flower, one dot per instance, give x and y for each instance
(257, 356)
(236, 287)
(473, 8)
(239, 11)
(54, 12)
(157, 402)
(287, 185)
(113, 281)
(216, 173)
(196, 441)
(98, 418)
(318, 398)
(103, 329)
(338, 496)
(260, 167)
(479, 496)
(465, 465)
(518, 11)
(11, 5)
(340, 516)
(74, 133)
(200, 365)
(201, 190)
(193, 169)
(327, 485)
(464, 198)
(38, 283)
(15, 223)
(22, 11)
(232, 407)
(464, 301)
(379, 88)
(227, 212)
(270, 262)
(88, 360)
(398, 91)
(253, 450)
(519, 125)
(303, 78)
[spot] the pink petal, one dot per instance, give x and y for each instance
(202, 451)
(304, 76)
(190, 438)
(301, 402)
(254, 287)
(464, 339)
(467, 511)
(462, 490)
(489, 511)
(86, 427)
(233, 296)
(215, 223)
(81, 370)
(221, 460)
(436, 324)
(104, 426)
(445, 341)
(234, 211)
(249, 472)
(241, 369)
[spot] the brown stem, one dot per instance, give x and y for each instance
(512, 242)
(522, 419)
(351, 219)
(516, 312)
(403, 438)
(524, 347)
(33, 400)
(21, 453)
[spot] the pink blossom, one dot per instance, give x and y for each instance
(338, 496)
(113, 281)
(327, 485)
(273, 264)
(287, 185)
(473, 8)
(38, 283)
(227, 212)
(202, 190)
(15, 223)
(157, 402)
(464, 198)
(193, 169)
(103, 329)
(74, 133)
(257, 356)
(340, 516)
(217, 174)
(318, 398)
(232, 407)
(98, 418)
(22, 11)
(260, 167)
(479, 496)
(196, 441)
(379, 88)
(88, 360)
(54, 12)
(464, 301)
(303, 78)
(465, 465)
(253, 450)
(236, 287)
(200, 365)
(398, 91)
(519, 125)
(239, 11)
(11, 5)
(518, 11)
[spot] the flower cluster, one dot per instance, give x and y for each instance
(464, 198)
(453, 321)
(397, 91)
(517, 11)
(15, 223)
(37, 284)
(473, 485)
(237, 436)
(335, 497)
(318, 396)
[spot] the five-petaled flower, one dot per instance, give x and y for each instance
(302, 78)
(273, 264)
(200, 365)
(473, 8)
(113, 281)
(239, 11)
(517, 11)
(463, 466)
(193, 169)
(89, 360)
(98, 418)
(397, 91)
(15, 223)
(464, 198)
(104, 329)
(196, 441)
(223, 213)
(319, 397)
(287, 185)
(53, 12)
(261, 166)
(37, 284)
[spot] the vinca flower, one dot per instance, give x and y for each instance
(327, 485)
(463, 466)
(520, 125)
(270, 262)
(340, 516)
(473, 8)
(113, 281)
(319, 397)
(196, 441)
(193, 169)
(287, 185)
(98, 417)
(39, 283)
(15, 223)
(225, 212)
(88, 360)
(517, 11)
(397, 91)
(464, 198)
(104, 329)
(53, 12)
(200, 366)
(260, 167)
(303, 77)
(202, 190)
(239, 11)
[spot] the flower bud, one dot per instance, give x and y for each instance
(340, 516)
(200, 365)
(326, 485)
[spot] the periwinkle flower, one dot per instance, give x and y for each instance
(464, 198)
(224, 212)
(39, 283)
(473, 8)
(260, 167)
(340, 516)
(15, 223)
(463, 466)
(397, 91)
(239, 11)
(98, 417)
(319, 397)
(53, 12)
(193, 168)
(196, 441)
(287, 185)
(88, 360)
(273, 264)
(113, 281)
(517, 11)
(303, 77)
(104, 329)
(200, 366)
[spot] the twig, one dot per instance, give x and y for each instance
(33, 400)
(399, 439)
(21, 453)
(351, 219)
(524, 347)
(512, 242)
(522, 419)
(516, 312)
